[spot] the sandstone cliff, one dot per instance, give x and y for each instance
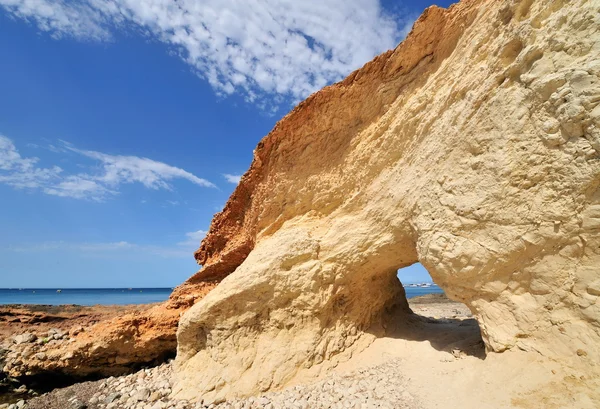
(473, 147)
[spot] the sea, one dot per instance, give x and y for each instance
(416, 291)
(83, 296)
(117, 296)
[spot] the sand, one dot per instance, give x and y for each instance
(437, 360)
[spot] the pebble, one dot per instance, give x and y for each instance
(21, 389)
(112, 397)
(19, 405)
(24, 338)
(142, 395)
(77, 404)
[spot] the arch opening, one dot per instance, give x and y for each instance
(448, 325)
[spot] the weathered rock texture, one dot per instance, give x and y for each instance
(98, 341)
(473, 147)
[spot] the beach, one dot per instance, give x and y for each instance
(151, 387)
(434, 358)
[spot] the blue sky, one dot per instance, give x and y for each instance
(125, 124)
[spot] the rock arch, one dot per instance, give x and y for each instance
(484, 168)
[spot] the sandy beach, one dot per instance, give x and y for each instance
(446, 326)
(52, 325)
(436, 359)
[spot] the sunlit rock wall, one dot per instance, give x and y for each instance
(473, 148)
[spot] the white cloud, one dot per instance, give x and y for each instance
(24, 173)
(62, 18)
(110, 249)
(116, 249)
(232, 178)
(193, 239)
(266, 50)
(20, 172)
(129, 169)
(197, 235)
(79, 187)
(120, 245)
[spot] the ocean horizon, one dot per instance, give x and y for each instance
(84, 296)
(118, 296)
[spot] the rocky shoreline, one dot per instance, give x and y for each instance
(95, 341)
(31, 336)
(150, 388)
(380, 386)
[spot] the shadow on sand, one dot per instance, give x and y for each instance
(460, 337)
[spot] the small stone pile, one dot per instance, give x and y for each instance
(380, 387)
(146, 389)
(29, 350)
(32, 348)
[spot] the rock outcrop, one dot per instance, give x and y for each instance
(473, 148)
(95, 341)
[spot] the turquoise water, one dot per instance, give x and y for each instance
(84, 296)
(117, 296)
(416, 291)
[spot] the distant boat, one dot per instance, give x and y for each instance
(59, 291)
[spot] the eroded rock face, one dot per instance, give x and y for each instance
(95, 341)
(473, 147)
